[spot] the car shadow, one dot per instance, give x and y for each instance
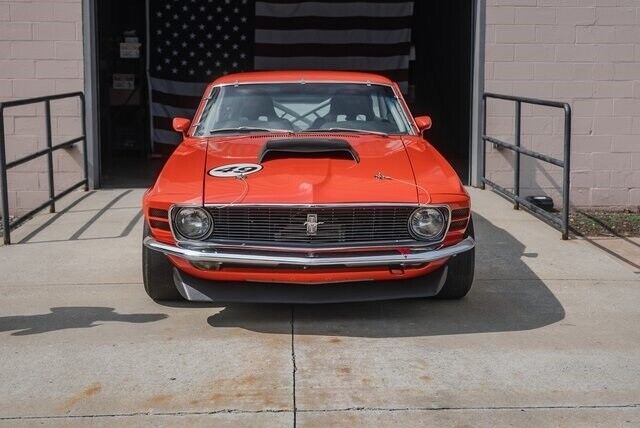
(62, 318)
(506, 296)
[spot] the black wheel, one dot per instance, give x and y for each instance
(460, 275)
(157, 274)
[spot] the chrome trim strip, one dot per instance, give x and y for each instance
(274, 260)
(330, 205)
(252, 246)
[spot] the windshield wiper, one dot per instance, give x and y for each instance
(360, 131)
(248, 129)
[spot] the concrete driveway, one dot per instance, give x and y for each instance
(548, 336)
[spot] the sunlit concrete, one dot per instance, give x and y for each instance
(548, 335)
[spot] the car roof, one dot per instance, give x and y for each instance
(302, 75)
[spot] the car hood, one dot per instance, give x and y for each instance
(321, 178)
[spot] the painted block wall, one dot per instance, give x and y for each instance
(587, 53)
(40, 54)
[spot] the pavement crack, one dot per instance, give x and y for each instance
(335, 410)
(134, 414)
(293, 364)
(463, 408)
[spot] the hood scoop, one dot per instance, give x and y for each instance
(307, 148)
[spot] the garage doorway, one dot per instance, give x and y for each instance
(440, 85)
(125, 152)
(441, 76)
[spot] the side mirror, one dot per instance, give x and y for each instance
(423, 122)
(180, 124)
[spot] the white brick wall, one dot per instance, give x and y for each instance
(40, 54)
(585, 52)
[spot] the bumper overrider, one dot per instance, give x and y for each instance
(196, 289)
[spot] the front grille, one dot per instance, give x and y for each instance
(348, 225)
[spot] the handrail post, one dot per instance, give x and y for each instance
(47, 113)
(566, 172)
(516, 166)
(85, 155)
(4, 190)
(484, 143)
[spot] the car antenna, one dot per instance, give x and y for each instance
(381, 176)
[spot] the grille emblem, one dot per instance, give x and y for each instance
(312, 224)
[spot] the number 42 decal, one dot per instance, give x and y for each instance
(235, 170)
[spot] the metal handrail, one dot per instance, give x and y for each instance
(48, 151)
(559, 222)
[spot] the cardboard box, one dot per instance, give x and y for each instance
(124, 81)
(130, 50)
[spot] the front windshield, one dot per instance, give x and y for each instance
(303, 107)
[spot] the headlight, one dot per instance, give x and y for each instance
(427, 223)
(193, 223)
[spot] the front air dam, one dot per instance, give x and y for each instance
(199, 290)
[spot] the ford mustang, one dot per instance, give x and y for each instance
(306, 187)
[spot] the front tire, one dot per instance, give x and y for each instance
(460, 274)
(157, 274)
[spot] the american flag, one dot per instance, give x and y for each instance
(338, 35)
(193, 42)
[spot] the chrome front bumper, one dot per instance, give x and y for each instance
(272, 259)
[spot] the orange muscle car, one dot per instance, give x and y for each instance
(306, 187)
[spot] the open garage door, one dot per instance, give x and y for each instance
(155, 58)
(441, 76)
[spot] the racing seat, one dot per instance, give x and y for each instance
(257, 110)
(346, 108)
(258, 107)
(254, 110)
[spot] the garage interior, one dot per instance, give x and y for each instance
(440, 85)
